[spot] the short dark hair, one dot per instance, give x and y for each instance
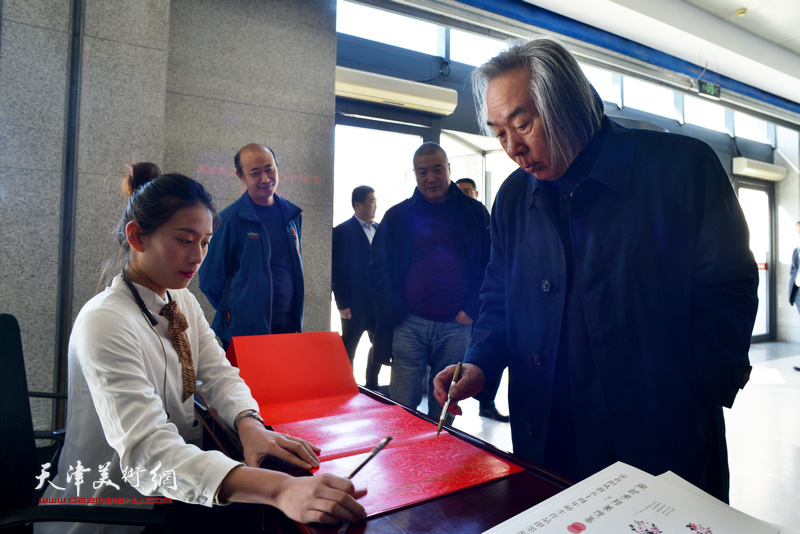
(469, 181)
(237, 158)
(426, 149)
(360, 193)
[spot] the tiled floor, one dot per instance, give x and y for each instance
(764, 437)
(763, 429)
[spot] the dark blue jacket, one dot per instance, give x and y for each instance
(391, 260)
(668, 286)
(236, 277)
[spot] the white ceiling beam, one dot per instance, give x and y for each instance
(688, 33)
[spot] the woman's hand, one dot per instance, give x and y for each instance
(321, 499)
(258, 443)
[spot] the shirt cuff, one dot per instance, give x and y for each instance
(217, 502)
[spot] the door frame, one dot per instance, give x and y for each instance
(768, 188)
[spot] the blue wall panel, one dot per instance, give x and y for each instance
(547, 20)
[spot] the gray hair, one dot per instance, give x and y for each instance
(568, 105)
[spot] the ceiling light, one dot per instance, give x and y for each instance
(741, 12)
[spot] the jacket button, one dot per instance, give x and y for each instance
(530, 429)
(546, 285)
(568, 197)
(536, 359)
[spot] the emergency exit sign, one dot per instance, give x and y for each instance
(708, 89)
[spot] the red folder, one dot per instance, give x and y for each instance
(304, 386)
(289, 367)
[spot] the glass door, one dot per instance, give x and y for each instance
(381, 159)
(377, 158)
(757, 201)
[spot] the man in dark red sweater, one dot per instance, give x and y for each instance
(428, 261)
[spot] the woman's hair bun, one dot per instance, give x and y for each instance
(138, 175)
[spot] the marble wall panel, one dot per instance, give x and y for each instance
(122, 105)
(121, 122)
(279, 54)
(33, 57)
(38, 346)
(33, 68)
(129, 21)
(317, 267)
(98, 211)
(29, 233)
(50, 14)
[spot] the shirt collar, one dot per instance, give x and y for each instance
(365, 225)
(151, 299)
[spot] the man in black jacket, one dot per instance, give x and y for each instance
(428, 263)
(352, 246)
(621, 292)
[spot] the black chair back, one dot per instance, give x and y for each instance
(18, 460)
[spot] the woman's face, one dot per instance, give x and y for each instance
(169, 257)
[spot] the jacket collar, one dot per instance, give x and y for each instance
(452, 189)
(290, 211)
(613, 164)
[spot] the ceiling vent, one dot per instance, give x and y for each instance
(759, 169)
(362, 85)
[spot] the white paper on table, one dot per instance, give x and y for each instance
(624, 499)
(674, 479)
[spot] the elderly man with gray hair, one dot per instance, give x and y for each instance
(621, 290)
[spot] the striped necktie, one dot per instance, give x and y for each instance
(177, 331)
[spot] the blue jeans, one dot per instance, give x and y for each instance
(417, 344)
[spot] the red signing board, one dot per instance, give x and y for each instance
(304, 386)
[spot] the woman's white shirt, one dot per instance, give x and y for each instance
(125, 407)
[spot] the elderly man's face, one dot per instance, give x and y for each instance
(513, 116)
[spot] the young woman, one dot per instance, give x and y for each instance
(130, 388)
